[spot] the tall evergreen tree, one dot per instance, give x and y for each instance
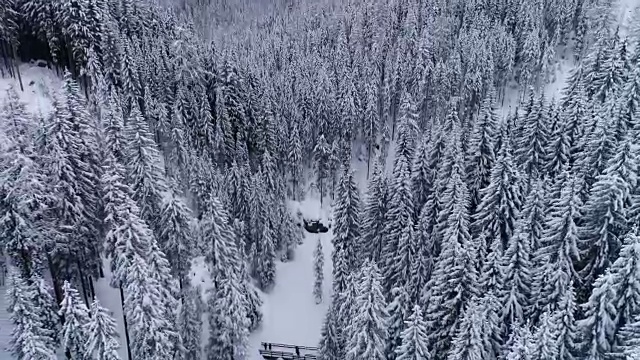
(190, 322)
(414, 338)
(368, 329)
(175, 236)
(346, 230)
(604, 219)
(228, 334)
(398, 310)
(74, 329)
(27, 341)
(599, 325)
(144, 172)
(481, 156)
(102, 343)
(454, 278)
(374, 214)
(318, 271)
(517, 269)
(501, 201)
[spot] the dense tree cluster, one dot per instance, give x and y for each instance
(480, 239)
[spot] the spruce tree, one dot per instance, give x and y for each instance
(175, 236)
(480, 150)
(321, 154)
(421, 174)
(454, 278)
(501, 200)
(604, 215)
(318, 271)
(102, 343)
(469, 343)
(521, 344)
(329, 347)
(228, 334)
(398, 310)
(625, 273)
(599, 325)
(414, 338)
(517, 270)
(373, 216)
(190, 322)
(368, 329)
(152, 334)
(76, 317)
(555, 259)
(144, 173)
(536, 132)
(399, 214)
(346, 230)
(47, 309)
(27, 341)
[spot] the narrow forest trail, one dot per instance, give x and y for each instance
(291, 315)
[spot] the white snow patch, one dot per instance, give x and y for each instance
(38, 83)
(110, 299)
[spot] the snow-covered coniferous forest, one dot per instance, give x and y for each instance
(360, 179)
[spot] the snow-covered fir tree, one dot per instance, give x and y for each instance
(368, 329)
(318, 271)
(74, 328)
(102, 335)
(190, 322)
(414, 338)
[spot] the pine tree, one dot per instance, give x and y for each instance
(398, 310)
(346, 230)
(604, 219)
(175, 237)
(152, 332)
(373, 217)
(76, 316)
(521, 344)
(321, 165)
(329, 348)
(368, 329)
(144, 173)
(102, 343)
(454, 278)
(599, 325)
(190, 322)
(498, 210)
(536, 131)
(468, 343)
(228, 334)
(399, 214)
(480, 150)
(414, 338)
(555, 258)
(28, 341)
(517, 270)
(318, 271)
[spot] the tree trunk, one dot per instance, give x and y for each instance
(126, 326)
(54, 280)
(85, 296)
(17, 65)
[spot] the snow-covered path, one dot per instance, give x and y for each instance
(291, 315)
